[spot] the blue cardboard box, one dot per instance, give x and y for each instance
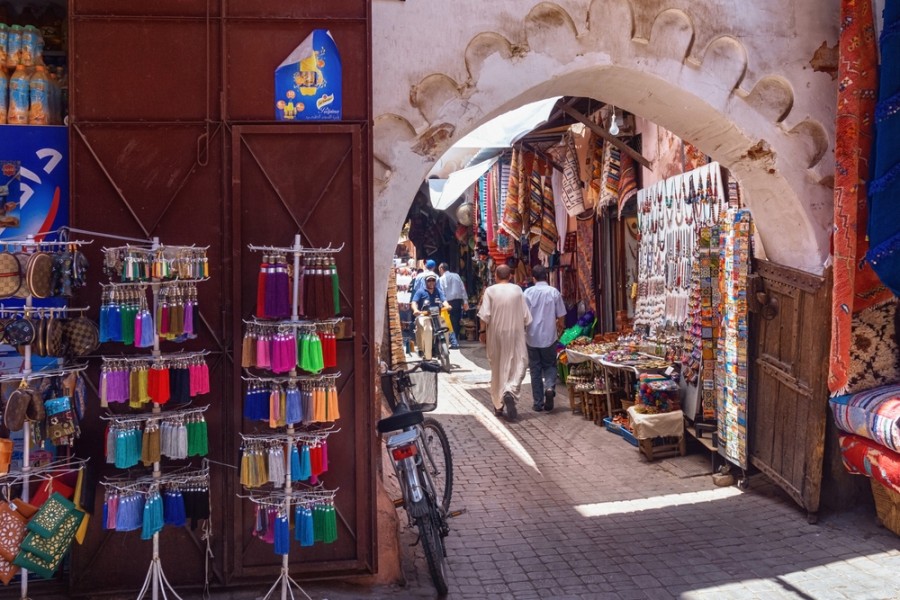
(308, 82)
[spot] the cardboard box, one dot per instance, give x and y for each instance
(308, 82)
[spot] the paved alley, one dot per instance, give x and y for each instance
(560, 508)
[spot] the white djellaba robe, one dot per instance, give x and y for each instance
(504, 310)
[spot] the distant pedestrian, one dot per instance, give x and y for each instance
(455, 292)
(504, 316)
(419, 282)
(547, 319)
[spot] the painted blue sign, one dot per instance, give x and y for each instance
(34, 167)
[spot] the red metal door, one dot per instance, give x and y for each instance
(307, 179)
(155, 92)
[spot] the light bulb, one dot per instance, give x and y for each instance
(614, 126)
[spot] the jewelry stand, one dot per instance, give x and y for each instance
(284, 580)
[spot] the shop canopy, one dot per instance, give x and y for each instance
(480, 149)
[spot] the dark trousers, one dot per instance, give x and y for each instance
(455, 315)
(542, 364)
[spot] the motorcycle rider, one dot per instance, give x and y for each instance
(426, 296)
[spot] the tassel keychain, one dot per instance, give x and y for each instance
(104, 318)
(329, 518)
(319, 404)
(276, 466)
(335, 286)
(262, 470)
(304, 472)
(305, 534)
(245, 468)
(110, 445)
(189, 304)
(293, 410)
(309, 407)
(301, 282)
(150, 451)
(202, 445)
(295, 465)
(248, 349)
(269, 537)
(323, 467)
(114, 320)
(263, 360)
(173, 508)
(110, 507)
(152, 516)
(261, 288)
(148, 329)
(318, 523)
(282, 535)
(332, 412)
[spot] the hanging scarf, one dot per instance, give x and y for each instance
(549, 234)
(627, 181)
(572, 194)
(512, 212)
(855, 286)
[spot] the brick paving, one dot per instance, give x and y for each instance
(551, 513)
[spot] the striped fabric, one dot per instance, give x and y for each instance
(865, 457)
(512, 212)
(873, 414)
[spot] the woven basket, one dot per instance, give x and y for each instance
(626, 404)
(887, 506)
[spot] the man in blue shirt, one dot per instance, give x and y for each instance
(455, 292)
(427, 295)
(547, 313)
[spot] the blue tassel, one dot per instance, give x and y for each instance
(305, 465)
(147, 329)
(295, 465)
(293, 412)
(104, 329)
(282, 535)
(153, 516)
(114, 323)
(308, 537)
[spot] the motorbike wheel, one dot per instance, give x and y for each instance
(443, 353)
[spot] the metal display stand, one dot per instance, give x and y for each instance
(285, 583)
(54, 468)
(156, 582)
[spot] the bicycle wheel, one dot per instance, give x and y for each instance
(438, 460)
(430, 535)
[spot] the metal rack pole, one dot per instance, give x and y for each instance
(156, 580)
(26, 444)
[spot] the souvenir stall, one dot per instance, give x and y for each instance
(690, 308)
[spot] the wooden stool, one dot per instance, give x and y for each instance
(597, 402)
(576, 399)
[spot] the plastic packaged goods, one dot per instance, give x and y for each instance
(4, 89)
(29, 55)
(14, 46)
(4, 37)
(17, 110)
(39, 97)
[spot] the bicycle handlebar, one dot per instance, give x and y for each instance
(430, 366)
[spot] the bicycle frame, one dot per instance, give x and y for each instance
(407, 469)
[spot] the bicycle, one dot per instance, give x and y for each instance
(421, 458)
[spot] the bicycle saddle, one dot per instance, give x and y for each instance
(400, 421)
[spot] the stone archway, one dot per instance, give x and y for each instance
(745, 86)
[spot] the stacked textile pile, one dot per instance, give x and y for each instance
(658, 392)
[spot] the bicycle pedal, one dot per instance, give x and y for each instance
(456, 513)
(399, 502)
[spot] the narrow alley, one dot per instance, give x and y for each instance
(559, 508)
